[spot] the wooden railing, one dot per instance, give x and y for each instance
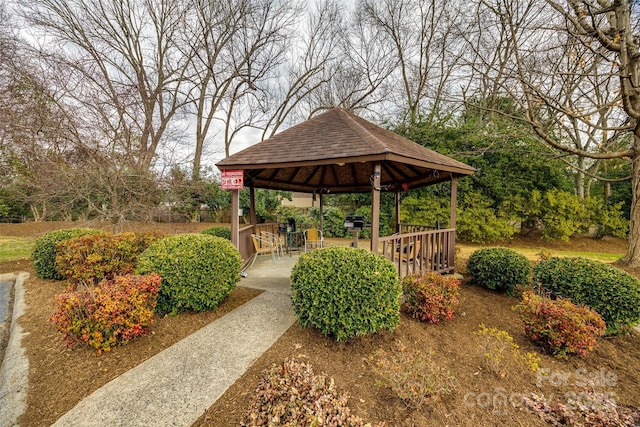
(421, 251)
(414, 228)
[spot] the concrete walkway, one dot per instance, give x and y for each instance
(176, 386)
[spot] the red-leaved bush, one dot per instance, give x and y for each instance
(430, 297)
(559, 326)
(112, 313)
(86, 260)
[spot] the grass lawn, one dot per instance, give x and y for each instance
(15, 248)
(534, 254)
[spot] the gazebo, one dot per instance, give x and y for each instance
(339, 152)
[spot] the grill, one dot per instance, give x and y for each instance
(354, 222)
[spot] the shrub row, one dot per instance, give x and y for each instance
(183, 272)
(112, 313)
(613, 293)
(44, 251)
(345, 292)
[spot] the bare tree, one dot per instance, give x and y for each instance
(286, 94)
(359, 71)
(236, 44)
(421, 33)
(127, 69)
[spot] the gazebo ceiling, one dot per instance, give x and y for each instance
(335, 152)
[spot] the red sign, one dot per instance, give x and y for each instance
(232, 180)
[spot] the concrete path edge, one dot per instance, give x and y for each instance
(14, 373)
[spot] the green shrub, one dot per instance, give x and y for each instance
(613, 293)
(345, 292)
(499, 268)
(198, 271)
(44, 250)
(290, 394)
(112, 313)
(224, 232)
(559, 326)
(88, 259)
(333, 224)
(430, 297)
(478, 222)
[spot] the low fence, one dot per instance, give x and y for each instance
(421, 251)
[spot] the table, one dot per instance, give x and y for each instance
(293, 241)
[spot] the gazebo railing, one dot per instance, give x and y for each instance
(421, 251)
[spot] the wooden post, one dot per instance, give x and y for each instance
(321, 213)
(397, 212)
(252, 206)
(454, 197)
(375, 207)
(452, 223)
(235, 218)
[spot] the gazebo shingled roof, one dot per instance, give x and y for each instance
(334, 152)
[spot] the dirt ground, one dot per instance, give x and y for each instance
(59, 377)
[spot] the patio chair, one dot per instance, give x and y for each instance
(313, 239)
(262, 247)
(276, 240)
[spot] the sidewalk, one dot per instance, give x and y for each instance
(176, 386)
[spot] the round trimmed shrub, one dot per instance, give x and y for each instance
(44, 251)
(611, 292)
(345, 292)
(224, 232)
(499, 269)
(198, 271)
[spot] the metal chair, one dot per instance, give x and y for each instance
(313, 238)
(276, 240)
(262, 247)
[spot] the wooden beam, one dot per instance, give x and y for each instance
(375, 207)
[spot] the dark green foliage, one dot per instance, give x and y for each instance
(345, 292)
(198, 271)
(44, 250)
(224, 232)
(499, 268)
(333, 222)
(478, 222)
(613, 293)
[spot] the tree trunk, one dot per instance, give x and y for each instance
(632, 257)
